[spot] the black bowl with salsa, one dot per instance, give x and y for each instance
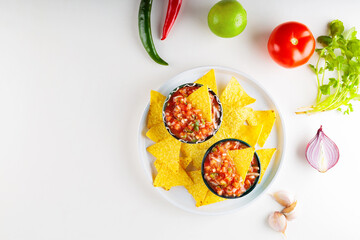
(219, 173)
(186, 123)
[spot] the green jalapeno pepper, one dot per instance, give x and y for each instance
(145, 31)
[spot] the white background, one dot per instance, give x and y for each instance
(74, 81)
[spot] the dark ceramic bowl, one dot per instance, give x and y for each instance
(208, 185)
(191, 85)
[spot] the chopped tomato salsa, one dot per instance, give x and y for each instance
(220, 172)
(185, 121)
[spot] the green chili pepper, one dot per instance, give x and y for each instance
(213, 175)
(196, 128)
(145, 31)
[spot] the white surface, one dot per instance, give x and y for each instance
(74, 81)
(179, 196)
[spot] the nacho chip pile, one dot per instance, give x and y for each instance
(179, 164)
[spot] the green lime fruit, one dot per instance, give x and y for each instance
(227, 18)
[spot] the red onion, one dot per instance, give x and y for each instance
(321, 152)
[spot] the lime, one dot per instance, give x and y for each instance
(227, 18)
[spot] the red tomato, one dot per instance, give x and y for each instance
(291, 44)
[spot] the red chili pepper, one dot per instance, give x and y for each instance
(171, 15)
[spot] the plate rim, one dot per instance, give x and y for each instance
(282, 153)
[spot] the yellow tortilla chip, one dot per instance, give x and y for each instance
(242, 113)
(185, 161)
(155, 111)
(250, 113)
(233, 119)
(265, 156)
(212, 198)
(198, 189)
(200, 99)
(168, 179)
(267, 119)
(249, 134)
(242, 159)
(192, 151)
(209, 80)
(158, 165)
(231, 94)
(235, 95)
(168, 152)
(254, 118)
(158, 132)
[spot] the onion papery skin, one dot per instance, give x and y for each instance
(321, 152)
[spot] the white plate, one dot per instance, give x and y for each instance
(179, 195)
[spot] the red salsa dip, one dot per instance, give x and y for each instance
(220, 173)
(186, 122)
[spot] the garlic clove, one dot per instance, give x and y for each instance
(289, 208)
(291, 215)
(278, 222)
(284, 198)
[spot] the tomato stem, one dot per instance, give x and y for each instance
(294, 41)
